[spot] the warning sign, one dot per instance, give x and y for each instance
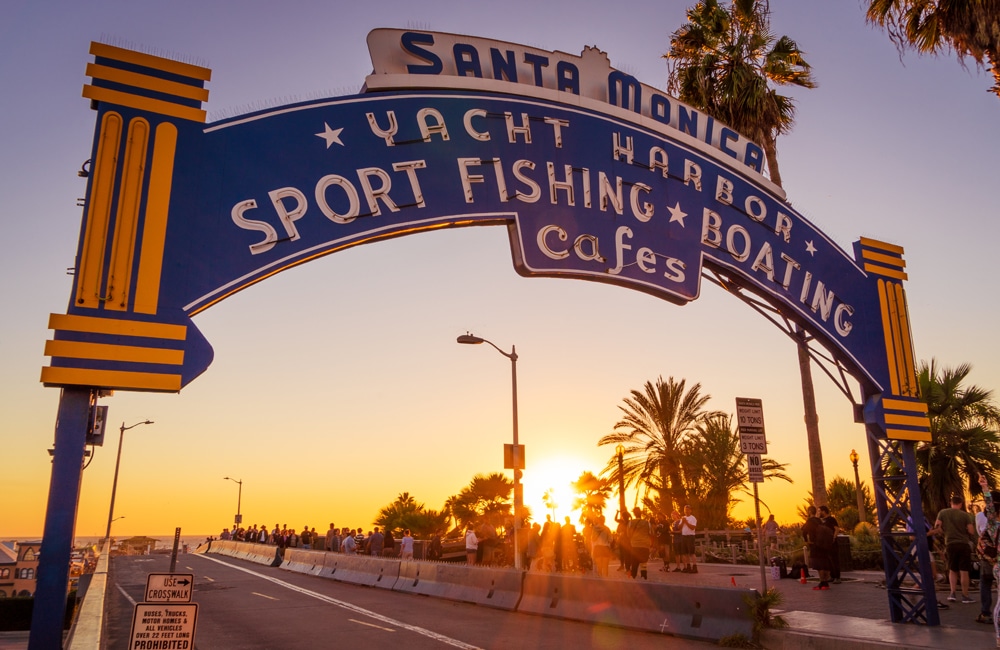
(169, 587)
(163, 626)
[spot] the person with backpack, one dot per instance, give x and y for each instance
(640, 541)
(819, 539)
(959, 529)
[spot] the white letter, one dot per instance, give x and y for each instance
(605, 192)
(467, 178)
(548, 252)
(536, 190)
(557, 129)
(288, 217)
(711, 224)
(427, 129)
(385, 134)
(482, 136)
(372, 194)
(620, 247)
(555, 186)
(617, 150)
(352, 197)
(270, 236)
(524, 129)
(844, 327)
(646, 213)
(731, 243)
(784, 226)
(410, 167)
(692, 174)
(724, 191)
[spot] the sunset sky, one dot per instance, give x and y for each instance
(338, 385)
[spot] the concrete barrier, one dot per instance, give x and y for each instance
(258, 553)
(499, 588)
(708, 613)
(303, 561)
(365, 570)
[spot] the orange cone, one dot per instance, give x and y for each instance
(802, 576)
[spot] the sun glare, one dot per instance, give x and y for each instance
(554, 477)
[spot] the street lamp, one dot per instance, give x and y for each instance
(857, 484)
(239, 497)
(620, 451)
(517, 461)
(114, 484)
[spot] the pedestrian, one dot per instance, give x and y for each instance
(831, 522)
(348, 545)
(990, 537)
(664, 541)
(771, 533)
(435, 551)
(819, 539)
(471, 545)
(689, 528)
(567, 546)
(601, 546)
(640, 541)
(375, 543)
(389, 545)
(305, 538)
(959, 529)
(332, 541)
(406, 546)
(622, 539)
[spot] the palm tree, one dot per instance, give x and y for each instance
(593, 494)
(964, 440)
(405, 513)
(486, 499)
(724, 62)
(971, 29)
(715, 470)
(657, 420)
(843, 502)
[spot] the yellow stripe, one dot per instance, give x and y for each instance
(909, 386)
(127, 220)
(874, 243)
(887, 272)
(107, 352)
(154, 229)
(144, 103)
(110, 379)
(885, 259)
(138, 80)
(908, 420)
(150, 61)
(91, 272)
(902, 405)
(887, 335)
(897, 344)
(906, 434)
(94, 325)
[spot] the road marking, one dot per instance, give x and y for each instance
(379, 627)
(206, 578)
(263, 595)
(353, 608)
(127, 597)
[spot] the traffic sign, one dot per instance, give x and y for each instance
(163, 626)
(512, 460)
(750, 419)
(755, 468)
(169, 587)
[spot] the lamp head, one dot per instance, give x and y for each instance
(620, 450)
(854, 457)
(469, 339)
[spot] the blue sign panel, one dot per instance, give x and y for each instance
(642, 193)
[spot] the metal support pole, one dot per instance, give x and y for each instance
(518, 495)
(48, 610)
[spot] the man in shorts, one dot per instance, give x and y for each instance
(959, 529)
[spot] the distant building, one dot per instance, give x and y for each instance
(137, 546)
(18, 568)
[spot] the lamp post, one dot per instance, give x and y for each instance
(239, 497)
(470, 339)
(620, 451)
(857, 484)
(114, 483)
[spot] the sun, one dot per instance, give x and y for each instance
(555, 476)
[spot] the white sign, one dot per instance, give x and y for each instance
(169, 587)
(750, 419)
(163, 626)
(755, 468)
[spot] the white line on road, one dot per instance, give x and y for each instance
(127, 597)
(353, 608)
(379, 627)
(263, 595)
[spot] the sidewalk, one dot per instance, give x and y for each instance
(853, 615)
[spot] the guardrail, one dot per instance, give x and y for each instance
(706, 613)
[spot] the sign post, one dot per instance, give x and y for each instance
(166, 618)
(753, 443)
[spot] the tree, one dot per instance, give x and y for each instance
(970, 29)
(724, 62)
(842, 500)
(593, 494)
(486, 499)
(964, 440)
(405, 513)
(716, 471)
(657, 420)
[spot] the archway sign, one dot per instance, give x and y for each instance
(594, 175)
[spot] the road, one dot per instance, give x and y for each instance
(250, 607)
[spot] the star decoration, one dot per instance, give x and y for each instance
(330, 135)
(676, 214)
(810, 248)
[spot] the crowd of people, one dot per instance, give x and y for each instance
(352, 541)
